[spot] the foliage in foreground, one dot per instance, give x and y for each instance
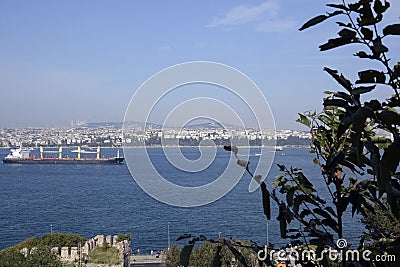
(52, 240)
(205, 254)
(40, 257)
(350, 140)
(122, 237)
(382, 228)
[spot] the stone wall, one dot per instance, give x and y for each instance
(72, 254)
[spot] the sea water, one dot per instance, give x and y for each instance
(104, 199)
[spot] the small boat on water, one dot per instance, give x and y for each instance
(23, 156)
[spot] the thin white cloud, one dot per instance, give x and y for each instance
(276, 25)
(264, 17)
(244, 14)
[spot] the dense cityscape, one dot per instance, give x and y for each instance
(112, 135)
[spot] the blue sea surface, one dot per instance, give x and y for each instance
(104, 199)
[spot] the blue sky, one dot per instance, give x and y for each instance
(70, 60)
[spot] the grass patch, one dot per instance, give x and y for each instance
(104, 256)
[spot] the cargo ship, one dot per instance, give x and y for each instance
(23, 156)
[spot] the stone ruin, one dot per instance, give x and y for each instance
(73, 254)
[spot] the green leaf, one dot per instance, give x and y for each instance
(346, 37)
(367, 33)
(378, 47)
(334, 13)
(281, 167)
(331, 211)
(359, 118)
(363, 54)
(325, 119)
(336, 103)
(314, 21)
(305, 189)
(345, 122)
(322, 213)
(302, 179)
(318, 19)
(396, 70)
(342, 24)
(331, 223)
(304, 120)
(344, 96)
(389, 163)
(342, 206)
(373, 104)
(347, 34)
(337, 42)
(282, 227)
(339, 78)
(355, 7)
(185, 255)
(305, 213)
(374, 157)
(393, 29)
(389, 117)
(289, 196)
(334, 159)
(184, 236)
(371, 76)
(300, 199)
(362, 90)
(379, 8)
(266, 201)
(366, 16)
(380, 140)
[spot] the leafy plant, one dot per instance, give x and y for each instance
(221, 252)
(351, 134)
(122, 237)
(53, 240)
(381, 223)
(172, 256)
(358, 161)
(382, 228)
(356, 143)
(40, 256)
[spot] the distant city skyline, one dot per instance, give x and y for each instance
(114, 136)
(64, 61)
